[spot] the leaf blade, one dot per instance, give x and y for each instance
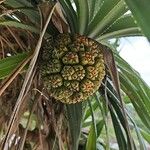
(7, 65)
(141, 11)
(20, 25)
(83, 16)
(98, 26)
(74, 112)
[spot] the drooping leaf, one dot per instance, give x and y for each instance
(141, 11)
(109, 59)
(115, 103)
(31, 13)
(19, 25)
(113, 100)
(7, 65)
(136, 89)
(119, 133)
(141, 141)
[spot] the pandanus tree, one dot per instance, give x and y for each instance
(61, 77)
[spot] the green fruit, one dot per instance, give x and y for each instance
(72, 67)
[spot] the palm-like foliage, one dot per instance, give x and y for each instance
(99, 20)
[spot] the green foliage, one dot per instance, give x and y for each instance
(8, 64)
(136, 89)
(141, 11)
(74, 112)
(17, 24)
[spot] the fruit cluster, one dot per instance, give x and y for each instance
(72, 67)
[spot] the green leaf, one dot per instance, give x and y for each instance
(115, 103)
(91, 141)
(70, 14)
(119, 112)
(106, 16)
(104, 122)
(136, 89)
(110, 62)
(146, 135)
(124, 26)
(125, 22)
(74, 113)
(139, 136)
(136, 100)
(83, 16)
(92, 137)
(18, 3)
(141, 11)
(32, 14)
(20, 25)
(99, 127)
(88, 112)
(120, 33)
(7, 65)
(118, 130)
(91, 5)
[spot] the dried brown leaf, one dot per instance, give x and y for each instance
(59, 20)
(44, 9)
(26, 85)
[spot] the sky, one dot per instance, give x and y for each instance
(136, 51)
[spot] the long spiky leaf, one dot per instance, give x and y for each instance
(98, 26)
(83, 16)
(140, 10)
(92, 137)
(70, 16)
(74, 113)
(124, 26)
(24, 60)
